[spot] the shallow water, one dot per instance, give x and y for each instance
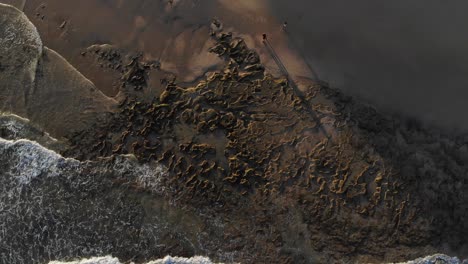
(314, 203)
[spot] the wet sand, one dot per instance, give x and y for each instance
(390, 55)
(39, 84)
(296, 172)
(174, 35)
(406, 57)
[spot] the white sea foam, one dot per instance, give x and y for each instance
(29, 160)
(166, 260)
(436, 259)
(18, 126)
(11, 125)
(100, 260)
(148, 176)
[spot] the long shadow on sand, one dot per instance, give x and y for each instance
(294, 86)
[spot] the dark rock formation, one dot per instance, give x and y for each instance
(295, 173)
(260, 171)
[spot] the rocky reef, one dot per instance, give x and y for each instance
(310, 174)
(60, 208)
(239, 166)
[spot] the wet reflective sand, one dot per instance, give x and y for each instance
(274, 167)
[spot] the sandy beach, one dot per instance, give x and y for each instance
(154, 128)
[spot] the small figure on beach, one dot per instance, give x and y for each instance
(216, 23)
(285, 25)
(264, 36)
(215, 26)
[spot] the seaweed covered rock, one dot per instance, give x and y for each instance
(56, 208)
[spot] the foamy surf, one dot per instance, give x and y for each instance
(29, 160)
(434, 259)
(166, 260)
(52, 207)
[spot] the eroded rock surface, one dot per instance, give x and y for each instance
(54, 208)
(262, 172)
(296, 176)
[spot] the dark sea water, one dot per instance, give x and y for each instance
(58, 208)
(55, 208)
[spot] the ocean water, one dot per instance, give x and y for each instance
(56, 208)
(52, 207)
(166, 260)
(434, 259)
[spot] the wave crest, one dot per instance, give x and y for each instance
(166, 260)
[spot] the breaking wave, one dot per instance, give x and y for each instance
(437, 259)
(28, 160)
(434, 259)
(166, 260)
(56, 208)
(52, 207)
